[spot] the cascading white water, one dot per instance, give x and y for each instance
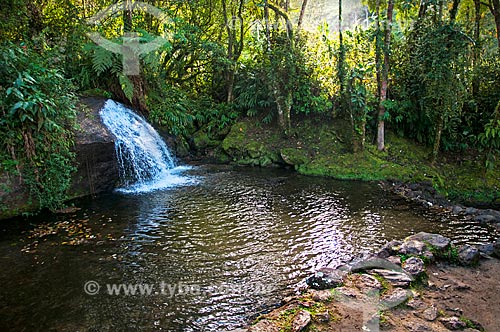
(143, 157)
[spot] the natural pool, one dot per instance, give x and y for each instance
(223, 247)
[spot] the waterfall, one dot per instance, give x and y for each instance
(144, 160)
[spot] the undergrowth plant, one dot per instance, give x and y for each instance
(37, 107)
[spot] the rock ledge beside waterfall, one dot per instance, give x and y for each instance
(97, 169)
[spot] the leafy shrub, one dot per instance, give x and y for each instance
(37, 107)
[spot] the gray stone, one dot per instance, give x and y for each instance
(436, 241)
(396, 260)
(496, 249)
(485, 219)
(322, 317)
(321, 295)
(397, 279)
(395, 297)
(453, 323)
(457, 209)
(412, 247)
(468, 255)
(487, 249)
(471, 330)
(264, 325)
(367, 283)
(493, 213)
(470, 211)
(416, 304)
(326, 278)
(416, 326)
(414, 266)
(388, 249)
(430, 314)
(301, 320)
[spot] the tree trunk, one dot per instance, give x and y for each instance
(301, 15)
(437, 138)
(341, 61)
(477, 47)
(378, 60)
(494, 6)
(385, 77)
(454, 10)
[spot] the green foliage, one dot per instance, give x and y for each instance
(38, 109)
(432, 82)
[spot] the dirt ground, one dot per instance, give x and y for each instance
(472, 294)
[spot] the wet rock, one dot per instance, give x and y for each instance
(397, 279)
(457, 210)
(468, 255)
(367, 284)
(471, 211)
(394, 260)
(416, 303)
(343, 293)
(321, 295)
(436, 241)
(471, 330)
(486, 249)
(496, 248)
(417, 326)
(322, 317)
(301, 320)
(412, 247)
(485, 219)
(414, 266)
(453, 323)
(388, 249)
(326, 278)
(430, 314)
(395, 297)
(293, 156)
(264, 326)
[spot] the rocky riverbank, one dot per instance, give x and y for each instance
(425, 195)
(423, 283)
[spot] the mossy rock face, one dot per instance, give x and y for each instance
(181, 147)
(202, 140)
(244, 150)
(294, 157)
(235, 140)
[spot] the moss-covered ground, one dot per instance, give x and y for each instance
(321, 147)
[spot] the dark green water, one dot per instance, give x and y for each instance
(232, 245)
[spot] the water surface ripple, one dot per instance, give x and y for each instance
(243, 237)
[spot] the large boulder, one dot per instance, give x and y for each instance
(468, 255)
(97, 168)
(326, 278)
(435, 241)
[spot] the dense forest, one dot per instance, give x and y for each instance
(427, 70)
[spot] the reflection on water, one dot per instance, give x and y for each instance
(241, 238)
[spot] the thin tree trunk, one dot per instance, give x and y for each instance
(477, 47)
(494, 6)
(341, 62)
(437, 138)
(268, 28)
(378, 60)
(301, 15)
(454, 10)
(385, 77)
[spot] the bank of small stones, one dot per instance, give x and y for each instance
(426, 195)
(375, 285)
